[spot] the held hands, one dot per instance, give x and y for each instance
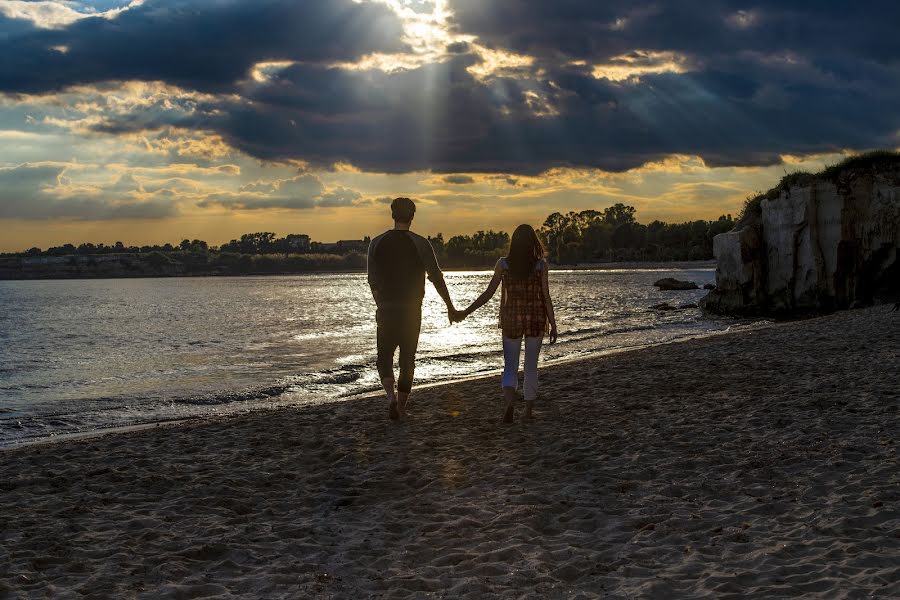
(455, 316)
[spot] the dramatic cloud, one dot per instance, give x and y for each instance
(43, 191)
(463, 93)
(545, 85)
(197, 44)
(747, 110)
(597, 31)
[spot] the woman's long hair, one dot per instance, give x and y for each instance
(525, 250)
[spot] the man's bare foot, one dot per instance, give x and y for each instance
(391, 393)
(402, 401)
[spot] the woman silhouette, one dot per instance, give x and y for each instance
(526, 310)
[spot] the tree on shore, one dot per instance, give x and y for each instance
(615, 234)
(586, 236)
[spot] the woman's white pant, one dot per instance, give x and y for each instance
(512, 348)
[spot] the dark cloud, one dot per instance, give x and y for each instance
(12, 28)
(458, 48)
(747, 110)
(599, 30)
(744, 84)
(198, 44)
(458, 179)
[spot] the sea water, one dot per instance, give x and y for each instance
(88, 355)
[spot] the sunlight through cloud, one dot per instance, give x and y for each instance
(630, 66)
(426, 31)
(497, 62)
(263, 71)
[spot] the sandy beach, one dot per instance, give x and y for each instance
(762, 463)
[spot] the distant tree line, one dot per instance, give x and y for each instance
(481, 249)
(253, 253)
(612, 234)
(263, 242)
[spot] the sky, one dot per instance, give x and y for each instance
(148, 121)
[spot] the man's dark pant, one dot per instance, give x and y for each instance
(398, 327)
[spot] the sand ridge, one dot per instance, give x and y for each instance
(759, 464)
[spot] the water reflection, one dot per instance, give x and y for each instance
(84, 354)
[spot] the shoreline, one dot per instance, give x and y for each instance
(603, 266)
(755, 464)
(370, 394)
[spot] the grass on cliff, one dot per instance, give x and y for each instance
(868, 161)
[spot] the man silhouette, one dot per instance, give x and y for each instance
(397, 264)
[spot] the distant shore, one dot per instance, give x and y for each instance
(128, 266)
(713, 467)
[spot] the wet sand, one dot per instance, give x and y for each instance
(760, 464)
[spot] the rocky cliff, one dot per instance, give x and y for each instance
(814, 243)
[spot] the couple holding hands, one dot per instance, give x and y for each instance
(398, 262)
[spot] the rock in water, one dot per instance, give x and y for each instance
(814, 243)
(668, 283)
(667, 306)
